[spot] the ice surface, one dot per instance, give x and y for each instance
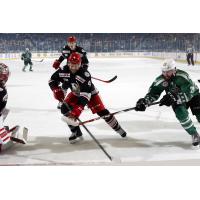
(154, 137)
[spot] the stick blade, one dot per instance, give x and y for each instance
(112, 79)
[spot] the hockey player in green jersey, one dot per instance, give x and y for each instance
(181, 93)
(26, 57)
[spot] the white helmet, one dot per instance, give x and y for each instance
(27, 49)
(168, 64)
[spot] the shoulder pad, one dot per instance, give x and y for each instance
(84, 73)
(65, 67)
(158, 80)
(183, 75)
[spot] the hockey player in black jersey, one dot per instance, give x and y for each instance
(68, 50)
(83, 92)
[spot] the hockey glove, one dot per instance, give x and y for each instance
(168, 99)
(56, 64)
(76, 111)
(141, 105)
(58, 94)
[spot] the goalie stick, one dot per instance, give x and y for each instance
(105, 81)
(114, 113)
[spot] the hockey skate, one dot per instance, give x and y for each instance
(76, 136)
(195, 140)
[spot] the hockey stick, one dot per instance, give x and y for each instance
(96, 141)
(105, 81)
(114, 113)
(38, 60)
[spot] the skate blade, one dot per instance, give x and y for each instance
(79, 139)
(123, 136)
(197, 147)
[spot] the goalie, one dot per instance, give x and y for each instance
(7, 136)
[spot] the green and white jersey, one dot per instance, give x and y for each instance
(181, 84)
(26, 55)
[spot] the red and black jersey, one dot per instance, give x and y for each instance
(66, 52)
(3, 98)
(80, 83)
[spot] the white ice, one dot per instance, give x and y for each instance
(154, 137)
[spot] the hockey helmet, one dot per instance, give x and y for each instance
(75, 58)
(168, 65)
(71, 39)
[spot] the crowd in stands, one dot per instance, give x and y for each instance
(99, 42)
